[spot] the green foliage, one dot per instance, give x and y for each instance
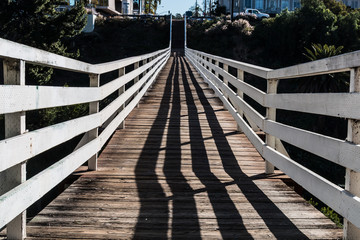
(347, 33)
(229, 37)
(151, 6)
(322, 51)
(115, 38)
(320, 21)
(328, 212)
(51, 116)
(219, 10)
(195, 9)
(327, 82)
(336, 7)
(37, 23)
(313, 202)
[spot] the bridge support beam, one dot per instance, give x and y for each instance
(94, 108)
(14, 74)
(352, 178)
(271, 115)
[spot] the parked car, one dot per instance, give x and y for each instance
(257, 13)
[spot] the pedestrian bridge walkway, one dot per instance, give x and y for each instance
(173, 149)
(180, 169)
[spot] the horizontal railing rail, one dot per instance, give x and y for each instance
(18, 193)
(346, 153)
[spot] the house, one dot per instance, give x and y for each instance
(273, 6)
(269, 6)
(112, 7)
(352, 3)
(116, 7)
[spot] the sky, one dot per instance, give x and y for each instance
(175, 6)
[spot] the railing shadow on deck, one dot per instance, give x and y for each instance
(233, 169)
(231, 91)
(183, 195)
(201, 168)
(183, 202)
(146, 165)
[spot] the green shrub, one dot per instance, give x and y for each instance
(328, 212)
(318, 21)
(230, 37)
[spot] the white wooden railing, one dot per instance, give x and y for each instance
(344, 105)
(16, 192)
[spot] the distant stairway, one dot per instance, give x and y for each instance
(177, 43)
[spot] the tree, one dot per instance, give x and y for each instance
(151, 6)
(205, 6)
(336, 7)
(219, 9)
(208, 7)
(195, 9)
(293, 32)
(178, 16)
(37, 23)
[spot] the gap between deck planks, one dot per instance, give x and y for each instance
(180, 170)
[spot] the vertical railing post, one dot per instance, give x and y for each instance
(122, 72)
(352, 178)
(217, 64)
(226, 82)
(240, 76)
(185, 33)
(93, 108)
(271, 115)
(136, 66)
(170, 44)
(15, 124)
(144, 62)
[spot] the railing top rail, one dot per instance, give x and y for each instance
(247, 67)
(13, 50)
(340, 63)
(110, 66)
(345, 201)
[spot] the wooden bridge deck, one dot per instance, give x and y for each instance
(180, 170)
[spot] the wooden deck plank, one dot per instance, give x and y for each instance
(180, 170)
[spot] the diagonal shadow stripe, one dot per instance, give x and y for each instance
(233, 169)
(183, 198)
(146, 166)
(201, 167)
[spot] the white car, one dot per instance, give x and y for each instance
(257, 13)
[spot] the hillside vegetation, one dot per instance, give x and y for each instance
(320, 29)
(280, 41)
(116, 38)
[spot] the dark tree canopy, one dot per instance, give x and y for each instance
(37, 23)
